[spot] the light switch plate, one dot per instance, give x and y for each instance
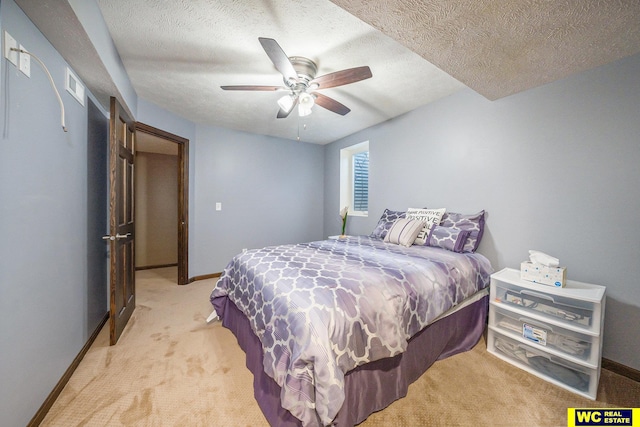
(25, 62)
(218, 206)
(11, 55)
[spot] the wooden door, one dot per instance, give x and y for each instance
(121, 216)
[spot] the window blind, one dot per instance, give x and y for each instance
(361, 181)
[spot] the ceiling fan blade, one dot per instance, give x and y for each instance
(279, 58)
(330, 104)
(253, 87)
(283, 114)
(342, 77)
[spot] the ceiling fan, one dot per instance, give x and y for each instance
(301, 83)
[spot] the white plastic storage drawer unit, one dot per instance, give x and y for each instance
(554, 369)
(554, 333)
(558, 340)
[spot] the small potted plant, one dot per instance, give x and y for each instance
(343, 215)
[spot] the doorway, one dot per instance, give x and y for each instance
(159, 147)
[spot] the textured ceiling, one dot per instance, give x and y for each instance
(499, 47)
(178, 53)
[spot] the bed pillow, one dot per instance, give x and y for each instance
(474, 223)
(386, 221)
(404, 231)
(429, 216)
(449, 238)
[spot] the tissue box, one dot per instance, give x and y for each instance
(538, 273)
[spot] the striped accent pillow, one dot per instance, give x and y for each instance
(404, 231)
(430, 217)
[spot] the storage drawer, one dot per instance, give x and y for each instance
(554, 369)
(579, 313)
(545, 335)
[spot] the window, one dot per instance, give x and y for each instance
(361, 182)
(354, 178)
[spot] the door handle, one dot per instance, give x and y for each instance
(118, 236)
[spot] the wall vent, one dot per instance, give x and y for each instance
(74, 87)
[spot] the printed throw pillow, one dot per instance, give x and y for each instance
(474, 223)
(404, 231)
(386, 221)
(449, 238)
(430, 217)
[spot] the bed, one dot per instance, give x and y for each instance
(335, 330)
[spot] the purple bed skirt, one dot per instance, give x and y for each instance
(370, 387)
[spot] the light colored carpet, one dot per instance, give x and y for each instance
(172, 369)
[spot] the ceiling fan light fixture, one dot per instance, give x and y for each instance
(305, 103)
(301, 82)
(303, 111)
(286, 102)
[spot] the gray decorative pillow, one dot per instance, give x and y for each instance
(449, 238)
(404, 231)
(474, 223)
(386, 221)
(429, 216)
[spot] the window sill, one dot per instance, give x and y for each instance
(360, 214)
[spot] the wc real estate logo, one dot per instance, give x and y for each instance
(577, 417)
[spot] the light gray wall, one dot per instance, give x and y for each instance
(271, 192)
(556, 168)
(271, 189)
(153, 115)
(44, 312)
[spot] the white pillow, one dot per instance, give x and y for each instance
(404, 231)
(429, 216)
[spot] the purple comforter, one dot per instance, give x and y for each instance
(323, 308)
